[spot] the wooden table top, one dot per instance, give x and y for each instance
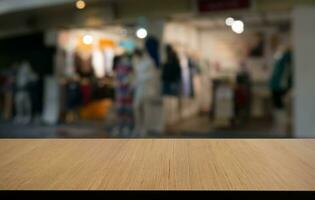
(159, 164)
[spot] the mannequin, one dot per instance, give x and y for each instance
(22, 97)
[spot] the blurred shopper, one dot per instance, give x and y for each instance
(152, 47)
(242, 95)
(171, 85)
(280, 85)
(171, 73)
(23, 104)
(146, 92)
(123, 95)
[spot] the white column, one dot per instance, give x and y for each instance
(304, 74)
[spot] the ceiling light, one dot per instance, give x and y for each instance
(229, 21)
(141, 33)
(80, 4)
(238, 26)
(87, 39)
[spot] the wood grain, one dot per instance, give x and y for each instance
(157, 164)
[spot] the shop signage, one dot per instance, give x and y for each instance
(221, 5)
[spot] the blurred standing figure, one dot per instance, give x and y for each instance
(280, 83)
(146, 91)
(123, 94)
(152, 47)
(242, 94)
(171, 73)
(22, 97)
(171, 85)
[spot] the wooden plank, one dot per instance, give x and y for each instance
(221, 164)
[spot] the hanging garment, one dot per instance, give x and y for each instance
(98, 64)
(83, 65)
(205, 87)
(86, 93)
(194, 69)
(73, 95)
(60, 63)
(186, 76)
(70, 67)
(128, 45)
(108, 61)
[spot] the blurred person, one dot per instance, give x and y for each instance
(171, 73)
(23, 104)
(280, 84)
(146, 92)
(123, 95)
(171, 84)
(242, 94)
(152, 47)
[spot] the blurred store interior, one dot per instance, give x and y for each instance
(161, 69)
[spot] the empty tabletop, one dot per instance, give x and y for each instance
(158, 164)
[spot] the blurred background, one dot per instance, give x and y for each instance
(161, 69)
